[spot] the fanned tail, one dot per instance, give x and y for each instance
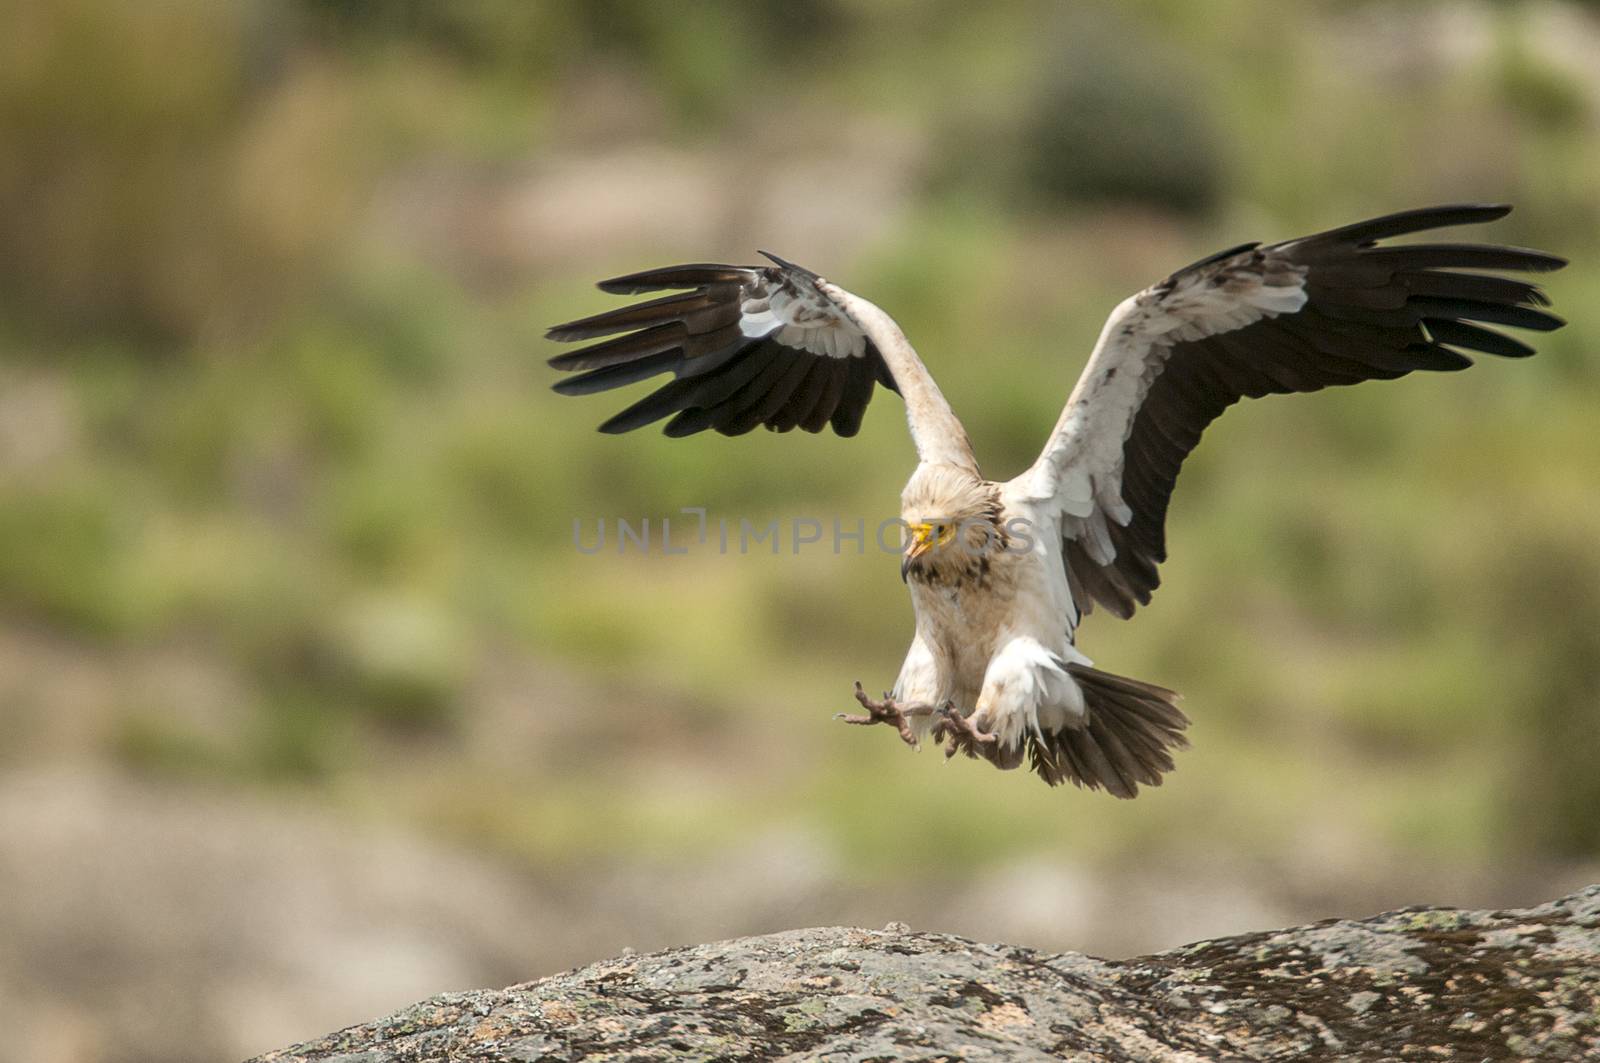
(1131, 731)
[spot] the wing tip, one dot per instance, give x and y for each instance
(623, 286)
(627, 420)
(1369, 231)
(1467, 213)
(675, 278)
(636, 283)
(569, 361)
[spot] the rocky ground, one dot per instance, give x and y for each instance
(1417, 983)
(180, 923)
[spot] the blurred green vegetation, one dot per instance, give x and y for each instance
(263, 400)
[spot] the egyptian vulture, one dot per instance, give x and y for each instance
(1000, 574)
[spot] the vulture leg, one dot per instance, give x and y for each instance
(887, 711)
(962, 733)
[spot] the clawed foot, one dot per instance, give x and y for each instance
(887, 711)
(959, 733)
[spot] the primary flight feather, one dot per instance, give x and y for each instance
(1001, 574)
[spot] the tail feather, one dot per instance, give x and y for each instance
(1148, 751)
(1132, 722)
(1128, 739)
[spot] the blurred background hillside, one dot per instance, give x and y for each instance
(308, 705)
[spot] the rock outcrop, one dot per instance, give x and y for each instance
(1434, 984)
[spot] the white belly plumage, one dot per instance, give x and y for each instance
(996, 648)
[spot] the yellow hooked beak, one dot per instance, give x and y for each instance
(922, 540)
(924, 537)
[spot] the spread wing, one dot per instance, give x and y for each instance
(746, 346)
(1334, 308)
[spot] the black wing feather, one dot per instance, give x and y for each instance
(724, 379)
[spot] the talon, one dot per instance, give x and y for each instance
(887, 711)
(960, 733)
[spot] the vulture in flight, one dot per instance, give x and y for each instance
(1001, 574)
